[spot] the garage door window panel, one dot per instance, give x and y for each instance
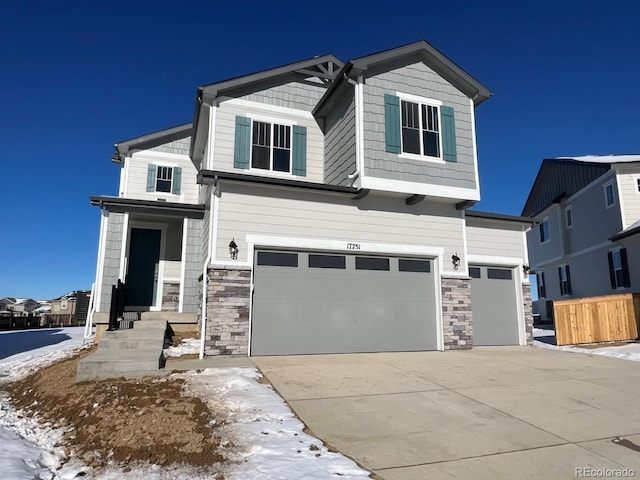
(474, 272)
(278, 259)
(410, 265)
(327, 261)
(372, 263)
(499, 274)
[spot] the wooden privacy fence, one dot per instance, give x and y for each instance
(597, 319)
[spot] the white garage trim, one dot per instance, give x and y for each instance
(495, 260)
(268, 241)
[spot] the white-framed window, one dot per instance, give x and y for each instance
(568, 215)
(544, 230)
(164, 179)
(637, 184)
(609, 195)
(420, 127)
(564, 276)
(271, 146)
(619, 268)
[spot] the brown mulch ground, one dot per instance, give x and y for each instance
(146, 419)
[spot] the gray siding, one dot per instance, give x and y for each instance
(493, 238)
(288, 92)
(416, 79)
(550, 250)
(340, 142)
(193, 266)
(264, 211)
(112, 255)
(593, 222)
(180, 147)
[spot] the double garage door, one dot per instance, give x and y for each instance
(494, 305)
(318, 302)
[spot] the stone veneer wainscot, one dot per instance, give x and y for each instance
(456, 313)
(228, 297)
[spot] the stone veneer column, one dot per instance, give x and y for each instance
(228, 296)
(528, 312)
(456, 313)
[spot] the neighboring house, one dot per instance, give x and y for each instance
(19, 306)
(319, 207)
(587, 242)
(74, 303)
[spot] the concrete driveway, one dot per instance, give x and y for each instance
(492, 412)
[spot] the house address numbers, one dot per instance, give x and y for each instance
(353, 246)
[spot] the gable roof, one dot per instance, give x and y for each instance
(430, 55)
(150, 140)
(558, 178)
(324, 66)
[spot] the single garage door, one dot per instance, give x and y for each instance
(494, 306)
(314, 302)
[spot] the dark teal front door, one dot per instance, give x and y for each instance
(144, 260)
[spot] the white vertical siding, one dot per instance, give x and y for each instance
(628, 176)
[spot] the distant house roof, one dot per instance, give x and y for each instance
(609, 159)
(499, 216)
(627, 232)
(561, 177)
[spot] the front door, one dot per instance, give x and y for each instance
(144, 261)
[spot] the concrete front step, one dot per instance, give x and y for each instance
(127, 353)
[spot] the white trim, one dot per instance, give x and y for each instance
(438, 268)
(621, 202)
(417, 99)
(171, 279)
(383, 184)
(342, 245)
(496, 260)
(423, 158)
(127, 168)
(636, 183)
(360, 123)
(522, 330)
(159, 155)
(465, 245)
(250, 260)
(123, 247)
(121, 183)
(213, 224)
(474, 145)
(267, 119)
(211, 143)
(265, 107)
(183, 260)
(102, 241)
(525, 246)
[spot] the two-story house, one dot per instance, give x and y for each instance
(587, 242)
(320, 207)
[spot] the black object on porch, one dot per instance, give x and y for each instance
(118, 294)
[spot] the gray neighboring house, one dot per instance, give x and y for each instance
(588, 240)
(319, 207)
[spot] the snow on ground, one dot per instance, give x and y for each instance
(189, 346)
(545, 338)
(267, 438)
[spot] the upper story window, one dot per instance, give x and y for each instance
(619, 269)
(164, 179)
(544, 230)
(270, 145)
(568, 214)
(638, 185)
(565, 279)
(609, 195)
(420, 128)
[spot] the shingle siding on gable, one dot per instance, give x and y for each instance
(340, 143)
(180, 147)
(416, 79)
(301, 96)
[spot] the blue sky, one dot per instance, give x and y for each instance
(79, 76)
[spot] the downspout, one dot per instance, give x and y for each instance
(205, 277)
(356, 97)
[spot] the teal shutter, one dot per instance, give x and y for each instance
(177, 180)
(151, 178)
(448, 134)
(242, 147)
(299, 151)
(392, 123)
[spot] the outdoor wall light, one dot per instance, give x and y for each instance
(455, 260)
(233, 249)
(526, 269)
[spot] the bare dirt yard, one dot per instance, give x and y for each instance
(148, 419)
